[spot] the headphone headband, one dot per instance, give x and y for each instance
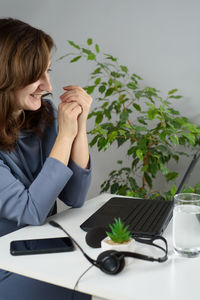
(112, 262)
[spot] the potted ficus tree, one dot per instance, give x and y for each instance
(129, 113)
(118, 238)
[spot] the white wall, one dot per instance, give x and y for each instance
(157, 39)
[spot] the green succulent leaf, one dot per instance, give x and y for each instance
(119, 232)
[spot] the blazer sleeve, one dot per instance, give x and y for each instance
(75, 191)
(31, 205)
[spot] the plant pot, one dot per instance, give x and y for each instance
(107, 244)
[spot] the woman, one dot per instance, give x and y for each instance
(43, 152)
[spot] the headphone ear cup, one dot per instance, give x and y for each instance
(122, 263)
(111, 262)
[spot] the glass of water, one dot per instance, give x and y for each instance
(186, 224)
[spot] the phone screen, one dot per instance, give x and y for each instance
(39, 246)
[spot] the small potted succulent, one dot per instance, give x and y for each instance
(119, 238)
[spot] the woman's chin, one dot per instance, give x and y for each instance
(35, 105)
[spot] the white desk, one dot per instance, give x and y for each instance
(176, 279)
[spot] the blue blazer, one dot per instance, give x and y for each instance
(30, 181)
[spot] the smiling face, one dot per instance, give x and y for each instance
(29, 97)
(25, 54)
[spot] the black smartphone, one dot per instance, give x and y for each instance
(39, 246)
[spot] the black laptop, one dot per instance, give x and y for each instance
(144, 216)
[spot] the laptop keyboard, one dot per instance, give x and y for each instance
(145, 216)
(142, 215)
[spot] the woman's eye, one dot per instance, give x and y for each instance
(49, 70)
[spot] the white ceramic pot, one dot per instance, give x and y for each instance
(129, 246)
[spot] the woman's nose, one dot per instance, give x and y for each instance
(45, 83)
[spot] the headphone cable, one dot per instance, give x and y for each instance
(77, 282)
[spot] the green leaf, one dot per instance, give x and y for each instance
(68, 54)
(89, 42)
(74, 45)
(109, 92)
(174, 139)
(142, 120)
(164, 169)
(140, 128)
(135, 76)
(124, 69)
(122, 132)
(132, 86)
(92, 113)
(75, 59)
(132, 182)
(97, 48)
(136, 106)
(90, 89)
(84, 50)
(93, 141)
(117, 84)
(101, 143)
(190, 137)
(115, 74)
(152, 113)
(91, 56)
(112, 136)
(139, 154)
(99, 118)
(172, 91)
(174, 112)
(191, 127)
(163, 149)
(148, 179)
(173, 190)
(108, 56)
(107, 113)
(176, 97)
(105, 186)
(171, 176)
(96, 71)
(138, 94)
(114, 188)
(131, 150)
(124, 115)
(97, 81)
(175, 157)
(98, 129)
(151, 91)
(102, 89)
(110, 81)
(119, 162)
(163, 135)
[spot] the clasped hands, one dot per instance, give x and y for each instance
(73, 110)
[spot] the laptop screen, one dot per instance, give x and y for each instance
(191, 175)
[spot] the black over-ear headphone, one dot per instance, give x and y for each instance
(112, 262)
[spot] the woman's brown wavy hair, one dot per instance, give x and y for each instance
(24, 57)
